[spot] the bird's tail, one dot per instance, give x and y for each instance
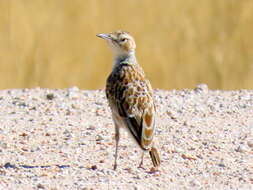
(155, 157)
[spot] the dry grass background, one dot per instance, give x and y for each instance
(52, 43)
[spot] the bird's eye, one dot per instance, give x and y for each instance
(123, 40)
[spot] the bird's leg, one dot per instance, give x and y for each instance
(141, 163)
(117, 144)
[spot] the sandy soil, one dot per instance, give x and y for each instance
(64, 139)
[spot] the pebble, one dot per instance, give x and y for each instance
(40, 186)
(99, 138)
(50, 96)
(195, 183)
(201, 88)
(241, 148)
(189, 156)
(94, 167)
(250, 143)
(178, 150)
(73, 93)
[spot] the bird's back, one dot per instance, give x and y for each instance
(130, 96)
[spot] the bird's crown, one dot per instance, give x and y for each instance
(120, 41)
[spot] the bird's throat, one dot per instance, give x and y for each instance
(127, 58)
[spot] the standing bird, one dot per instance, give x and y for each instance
(130, 96)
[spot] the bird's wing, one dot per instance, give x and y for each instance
(137, 108)
(134, 103)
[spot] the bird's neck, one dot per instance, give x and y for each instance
(125, 58)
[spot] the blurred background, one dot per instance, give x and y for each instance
(53, 43)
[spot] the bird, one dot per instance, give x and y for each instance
(130, 96)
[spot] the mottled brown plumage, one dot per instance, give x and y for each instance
(130, 95)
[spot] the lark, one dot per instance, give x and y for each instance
(130, 96)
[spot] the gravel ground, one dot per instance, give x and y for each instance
(64, 139)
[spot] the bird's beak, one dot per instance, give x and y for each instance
(104, 36)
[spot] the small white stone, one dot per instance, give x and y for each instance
(194, 182)
(195, 138)
(179, 150)
(201, 88)
(73, 92)
(250, 143)
(74, 89)
(241, 148)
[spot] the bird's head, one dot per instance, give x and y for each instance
(121, 42)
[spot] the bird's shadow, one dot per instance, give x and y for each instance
(13, 166)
